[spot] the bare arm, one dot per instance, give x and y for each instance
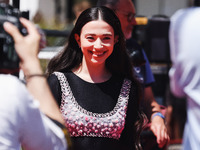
(27, 48)
(157, 123)
(150, 101)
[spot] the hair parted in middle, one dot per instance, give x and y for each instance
(71, 56)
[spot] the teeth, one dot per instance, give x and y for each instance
(97, 53)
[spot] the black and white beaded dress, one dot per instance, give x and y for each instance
(98, 116)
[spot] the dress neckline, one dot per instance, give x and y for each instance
(123, 95)
(92, 83)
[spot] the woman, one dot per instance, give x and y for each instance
(93, 83)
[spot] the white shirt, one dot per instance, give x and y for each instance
(21, 122)
(185, 71)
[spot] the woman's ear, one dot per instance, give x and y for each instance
(116, 39)
(77, 37)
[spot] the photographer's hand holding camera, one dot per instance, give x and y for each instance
(29, 126)
(27, 48)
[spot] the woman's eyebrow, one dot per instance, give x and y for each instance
(92, 34)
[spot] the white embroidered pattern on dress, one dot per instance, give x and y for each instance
(81, 122)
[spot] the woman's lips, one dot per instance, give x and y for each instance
(97, 54)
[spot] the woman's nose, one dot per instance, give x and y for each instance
(98, 43)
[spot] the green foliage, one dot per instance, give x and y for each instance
(44, 63)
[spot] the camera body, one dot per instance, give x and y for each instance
(9, 60)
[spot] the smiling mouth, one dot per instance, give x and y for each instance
(97, 54)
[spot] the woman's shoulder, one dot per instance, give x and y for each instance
(58, 73)
(56, 77)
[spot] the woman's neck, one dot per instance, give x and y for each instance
(93, 73)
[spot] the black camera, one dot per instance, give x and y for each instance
(9, 60)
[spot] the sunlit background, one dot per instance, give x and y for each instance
(56, 18)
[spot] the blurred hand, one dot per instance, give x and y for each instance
(160, 131)
(27, 47)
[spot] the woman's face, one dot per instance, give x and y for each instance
(96, 41)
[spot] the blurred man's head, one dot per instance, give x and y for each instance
(125, 11)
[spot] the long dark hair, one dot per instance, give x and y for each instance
(117, 63)
(71, 56)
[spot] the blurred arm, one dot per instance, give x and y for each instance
(27, 48)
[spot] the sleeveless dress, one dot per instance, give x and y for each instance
(95, 128)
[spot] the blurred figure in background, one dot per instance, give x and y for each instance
(185, 71)
(125, 11)
(79, 7)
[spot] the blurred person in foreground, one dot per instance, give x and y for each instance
(29, 114)
(125, 11)
(185, 71)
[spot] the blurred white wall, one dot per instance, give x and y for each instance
(47, 9)
(29, 5)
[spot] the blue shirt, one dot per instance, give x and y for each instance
(143, 72)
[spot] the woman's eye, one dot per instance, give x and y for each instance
(89, 38)
(106, 38)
